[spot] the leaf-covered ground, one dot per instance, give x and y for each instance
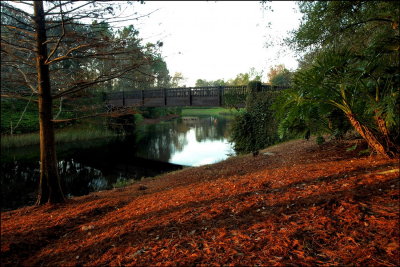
(300, 204)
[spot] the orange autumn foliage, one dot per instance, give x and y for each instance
(304, 205)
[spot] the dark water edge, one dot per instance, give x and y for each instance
(84, 167)
(101, 164)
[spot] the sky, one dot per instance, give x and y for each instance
(214, 40)
(219, 39)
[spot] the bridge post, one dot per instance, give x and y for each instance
(142, 97)
(190, 96)
(165, 96)
(123, 98)
(220, 95)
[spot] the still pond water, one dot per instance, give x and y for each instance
(102, 164)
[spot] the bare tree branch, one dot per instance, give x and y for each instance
(60, 109)
(59, 39)
(15, 96)
(34, 90)
(15, 46)
(68, 52)
(23, 113)
(100, 79)
(18, 29)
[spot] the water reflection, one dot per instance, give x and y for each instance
(189, 141)
(92, 166)
(198, 153)
(79, 179)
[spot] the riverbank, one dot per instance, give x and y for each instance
(158, 120)
(71, 134)
(296, 203)
(88, 132)
(201, 111)
(67, 135)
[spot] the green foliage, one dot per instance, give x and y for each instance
(76, 133)
(364, 152)
(234, 99)
(280, 76)
(352, 148)
(301, 117)
(282, 79)
(177, 80)
(320, 140)
(351, 24)
(13, 116)
(206, 111)
(245, 78)
(201, 82)
(123, 183)
(254, 86)
(355, 84)
(255, 128)
(350, 72)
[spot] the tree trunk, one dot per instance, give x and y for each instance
(390, 146)
(367, 134)
(49, 185)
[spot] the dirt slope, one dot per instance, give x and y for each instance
(300, 204)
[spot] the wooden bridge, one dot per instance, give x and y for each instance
(212, 96)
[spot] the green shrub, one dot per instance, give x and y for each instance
(320, 140)
(256, 127)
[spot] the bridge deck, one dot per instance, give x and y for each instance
(190, 96)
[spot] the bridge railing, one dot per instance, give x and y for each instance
(206, 95)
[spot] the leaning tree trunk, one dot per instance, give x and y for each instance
(390, 146)
(368, 135)
(49, 185)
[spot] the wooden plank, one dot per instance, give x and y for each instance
(178, 101)
(115, 102)
(133, 102)
(153, 102)
(205, 101)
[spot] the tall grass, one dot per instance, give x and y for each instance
(62, 136)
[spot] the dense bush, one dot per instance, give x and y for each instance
(256, 127)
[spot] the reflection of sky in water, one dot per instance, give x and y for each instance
(201, 153)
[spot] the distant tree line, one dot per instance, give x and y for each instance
(278, 75)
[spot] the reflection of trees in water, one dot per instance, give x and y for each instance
(79, 179)
(18, 183)
(211, 128)
(160, 141)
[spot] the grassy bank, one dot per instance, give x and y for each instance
(301, 204)
(62, 136)
(207, 111)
